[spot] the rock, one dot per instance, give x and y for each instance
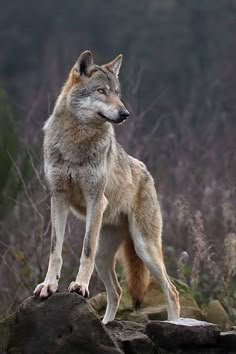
(98, 302)
(183, 333)
(217, 314)
(192, 312)
(137, 344)
(118, 328)
(160, 313)
(228, 341)
(154, 295)
(64, 323)
(155, 313)
(131, 338)
(135, 316)
(185, 336)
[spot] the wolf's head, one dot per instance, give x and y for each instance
(93, 92)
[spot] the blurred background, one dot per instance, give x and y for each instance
(178, 81)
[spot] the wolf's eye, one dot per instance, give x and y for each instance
(102, 91)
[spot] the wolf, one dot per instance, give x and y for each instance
(90, 174)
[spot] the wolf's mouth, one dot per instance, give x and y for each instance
(118, 121)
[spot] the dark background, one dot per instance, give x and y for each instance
(178, 81)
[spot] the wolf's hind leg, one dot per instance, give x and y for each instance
(105, 266)
(59, 211)
(146, 227)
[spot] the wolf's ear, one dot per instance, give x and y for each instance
(115, 65)
(84, 63)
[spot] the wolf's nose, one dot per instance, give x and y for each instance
(124, 114)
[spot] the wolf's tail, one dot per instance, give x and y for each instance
(136, 273)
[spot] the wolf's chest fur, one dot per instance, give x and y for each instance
(76, 160)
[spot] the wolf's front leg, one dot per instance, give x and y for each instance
(59, 211)
(95, 211)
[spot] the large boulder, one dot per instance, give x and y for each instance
(228, 341)
(184, 335)
(187, 336)
(64, 323)
(217, 314)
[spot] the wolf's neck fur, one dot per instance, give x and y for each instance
(75, 140)
(71, 124)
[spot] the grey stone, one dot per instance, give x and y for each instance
(130, 337)
(138, 343)
(62, 324)
(228, 341)
(182, 333)
(217, 314)
(65, 323)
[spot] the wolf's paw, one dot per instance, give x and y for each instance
(44, 290)
(79, 289)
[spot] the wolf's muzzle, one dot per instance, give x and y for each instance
(123, 115)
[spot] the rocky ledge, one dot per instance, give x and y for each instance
(66, 323)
